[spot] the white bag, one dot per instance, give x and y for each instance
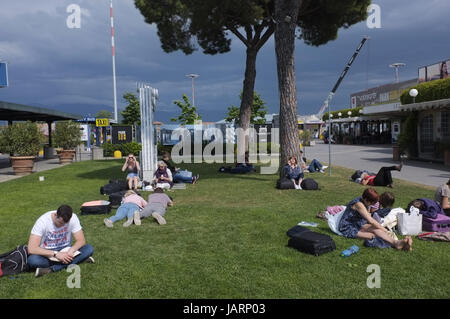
(410, 223)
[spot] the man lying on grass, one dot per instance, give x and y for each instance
(53, 232)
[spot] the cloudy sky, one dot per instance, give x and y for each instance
(53, 66)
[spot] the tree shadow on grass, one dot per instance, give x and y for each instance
(110, 173)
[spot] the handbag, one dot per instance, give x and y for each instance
(410, 223)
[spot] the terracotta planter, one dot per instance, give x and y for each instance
(22, 165)
(66, 156)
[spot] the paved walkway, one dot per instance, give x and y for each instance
(372, 157)
(7, 173)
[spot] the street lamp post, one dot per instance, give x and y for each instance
(396, 66)
(193, 76)
(413, 93)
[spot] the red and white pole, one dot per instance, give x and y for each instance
(113, 61)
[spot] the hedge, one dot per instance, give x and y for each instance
(428, 91)
(355, 112)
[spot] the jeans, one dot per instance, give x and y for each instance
(184, 177)
(38, 261)
(125, 210)
(314, 166)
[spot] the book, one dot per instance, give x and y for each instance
(76, 253)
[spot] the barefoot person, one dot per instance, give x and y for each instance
(356, 222)
(51, 233)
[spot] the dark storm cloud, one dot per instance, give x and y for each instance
(70, 69)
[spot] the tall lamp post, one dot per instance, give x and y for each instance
(193, 77)
(396, 66)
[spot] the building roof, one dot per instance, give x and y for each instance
(19, 112)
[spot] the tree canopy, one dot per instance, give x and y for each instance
(132, 112)
(259, 111)
(188, 114)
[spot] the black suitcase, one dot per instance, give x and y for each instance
(95, 207)
(312, 243)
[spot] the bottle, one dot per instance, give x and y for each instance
(352, 250)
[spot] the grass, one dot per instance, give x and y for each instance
(225, 238)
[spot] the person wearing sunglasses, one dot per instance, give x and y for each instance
(132, 167)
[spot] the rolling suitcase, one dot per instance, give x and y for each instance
(312, 243)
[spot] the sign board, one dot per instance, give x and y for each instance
(84, 132)
(434, 71)
(102, 122)
(121, 134)
(3, 74)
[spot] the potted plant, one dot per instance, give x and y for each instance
(67, 138)
(22, 140)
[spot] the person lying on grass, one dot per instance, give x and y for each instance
(156, 207)
(132, 203)
(356, 222)
(53, 232)
(382, 178)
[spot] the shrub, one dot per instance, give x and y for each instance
(67, 135)
(355, 112)
(21, 139)
(428, 91)
(125, 149)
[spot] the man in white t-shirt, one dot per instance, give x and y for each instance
(51, 233)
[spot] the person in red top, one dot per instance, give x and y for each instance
(383, 177)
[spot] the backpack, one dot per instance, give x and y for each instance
(114, 186)
(116, 198)
(285, 183)
(96, 207)
(356, 174)
(15, 261)
(309, 184)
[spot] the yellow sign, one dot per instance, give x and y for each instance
(122, 135)
(101, 122)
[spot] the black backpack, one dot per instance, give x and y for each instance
(356, 174)
(116, 198)
(14, 262)
(114, 186)
(309, 184)
(285, 183)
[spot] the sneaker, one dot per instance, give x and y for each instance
(399, 167)
(42, 271)
(89, 260)
(108, 223)
(324, 167)
(321, 171)
(159, 218)
(128, 222)
(137, 218)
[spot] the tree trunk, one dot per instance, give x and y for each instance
(247, 99)
(286, 12)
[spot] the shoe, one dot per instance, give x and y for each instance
(159, 218)
(108, 223)
(299, 187)
(42, 271)
(89, 260)
(137, 218)
(321, 171)
(128, 222)
(324, 167)
(399, 167)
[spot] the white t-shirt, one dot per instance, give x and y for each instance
(54, 238)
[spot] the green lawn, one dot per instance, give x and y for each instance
(225, 238)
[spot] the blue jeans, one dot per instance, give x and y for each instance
(182, 177)
(125, 210)
(314, 166)
(38, 261)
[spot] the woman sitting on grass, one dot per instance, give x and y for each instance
(130, 207)
(294, 172)
(356, 222)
